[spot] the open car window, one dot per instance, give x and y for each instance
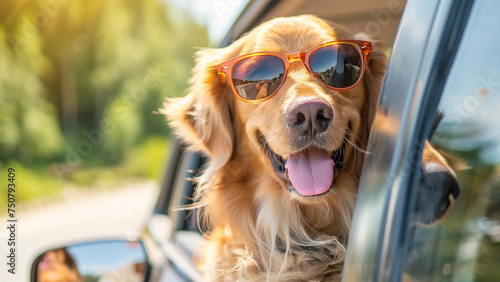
(466, 245)
(429, 60)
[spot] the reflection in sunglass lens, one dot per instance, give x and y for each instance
(338, 65)
(258, 76)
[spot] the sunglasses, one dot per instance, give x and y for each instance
(256, 77)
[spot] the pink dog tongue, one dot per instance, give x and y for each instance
(311, 171)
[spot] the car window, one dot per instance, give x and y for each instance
(466, 245)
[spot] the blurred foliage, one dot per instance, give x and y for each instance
(28, 123)
(144, 161)
(148, 159)
(31, 182)
(80, 82)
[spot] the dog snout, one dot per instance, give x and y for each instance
(435, 175)
(309, 118)
(437, 183)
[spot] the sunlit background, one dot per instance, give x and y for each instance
(80, 85)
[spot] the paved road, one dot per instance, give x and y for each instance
(117, 213)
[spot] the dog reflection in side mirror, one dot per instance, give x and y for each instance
(94, 261)
(57, 265)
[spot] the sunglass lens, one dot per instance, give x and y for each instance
(258, 77)
(337, 65)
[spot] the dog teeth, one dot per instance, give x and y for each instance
(280, 160)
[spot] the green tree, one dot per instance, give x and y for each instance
(96, 55)
(29, 129)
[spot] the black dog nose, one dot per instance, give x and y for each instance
(309, 118)
(437, 183)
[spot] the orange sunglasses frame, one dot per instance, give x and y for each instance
(225, 69)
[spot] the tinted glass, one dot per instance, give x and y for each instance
(258, 77)
(338, 65)
(466, 245)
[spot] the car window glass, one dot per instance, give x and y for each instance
(465, 246)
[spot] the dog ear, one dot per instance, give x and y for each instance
(372, 79)
(202, 119)
(374, 74)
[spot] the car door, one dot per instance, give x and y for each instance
(444, 61)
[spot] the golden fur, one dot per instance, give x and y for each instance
(57, 265)
(258, 229)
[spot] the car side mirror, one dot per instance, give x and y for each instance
(117, 260)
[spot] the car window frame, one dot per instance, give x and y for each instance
(425, 46)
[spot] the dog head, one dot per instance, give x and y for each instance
(312, 138)
(57, 265)
(283, 172)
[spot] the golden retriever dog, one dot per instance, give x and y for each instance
(57, 266)
(284, 115)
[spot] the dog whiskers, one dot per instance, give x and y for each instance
(353, 144)
(438, 222)
(356, 147)
(265, 149)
